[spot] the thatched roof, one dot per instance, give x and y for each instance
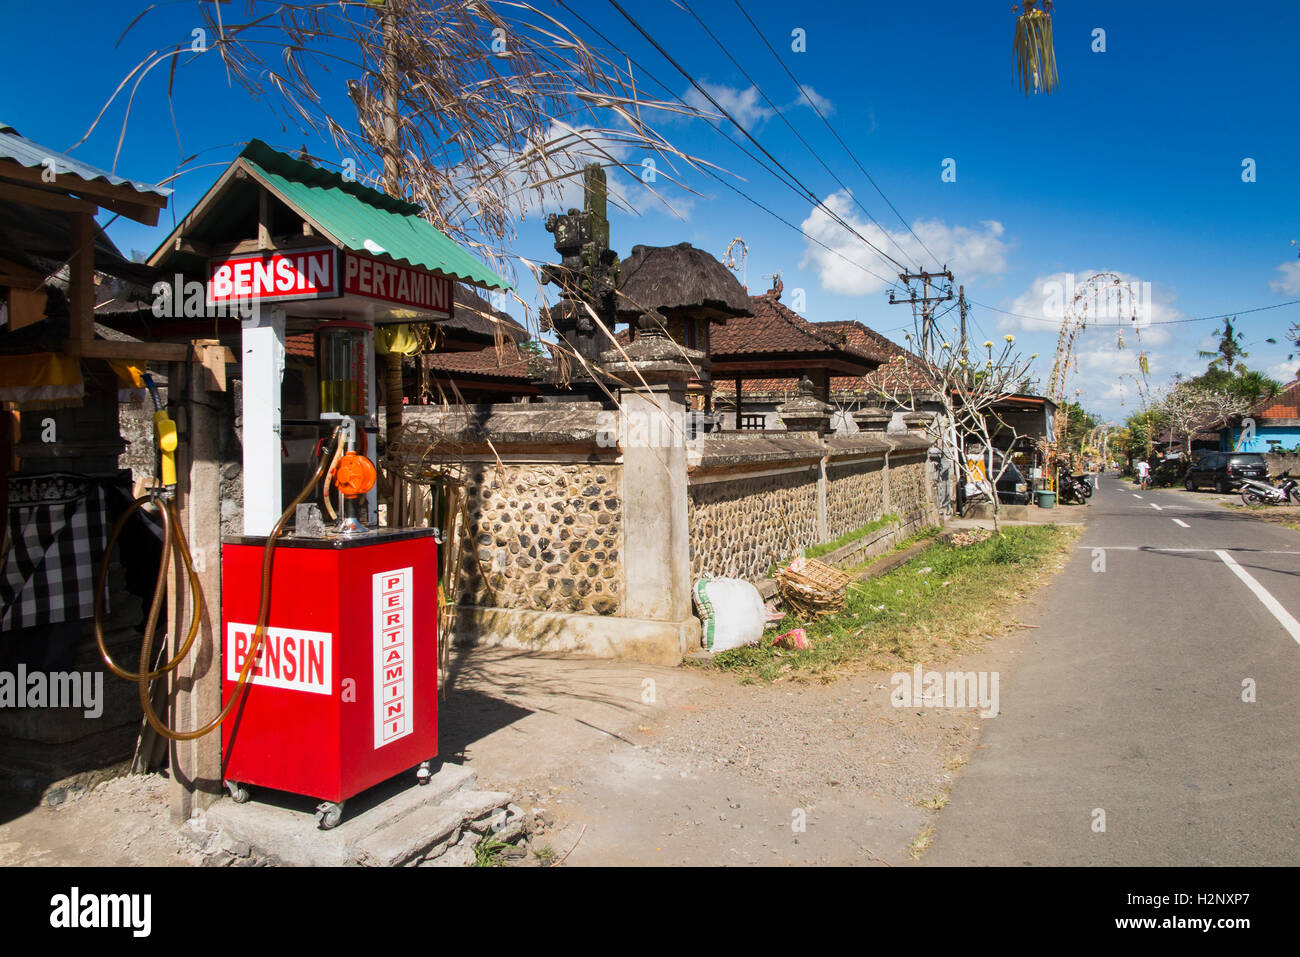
(475, 320)
(678, 280)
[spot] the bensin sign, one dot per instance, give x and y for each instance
(373, 279)
(288, 658)
(275, 276)
(392, 608)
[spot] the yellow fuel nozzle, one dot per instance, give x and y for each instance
(165, 435)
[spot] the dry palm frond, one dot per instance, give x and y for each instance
(1033, 52)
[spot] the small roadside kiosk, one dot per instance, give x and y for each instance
(329, 623)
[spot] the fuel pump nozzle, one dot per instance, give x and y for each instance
(165, 438)
(353, 475)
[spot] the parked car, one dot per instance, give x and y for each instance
(1225, 471)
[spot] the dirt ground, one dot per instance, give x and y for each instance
(636, 764)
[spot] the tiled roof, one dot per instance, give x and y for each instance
(509, 363)
(866, 340)
(840, 385)
(1285, 405)
(775, 328)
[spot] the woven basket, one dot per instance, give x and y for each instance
(811, 588)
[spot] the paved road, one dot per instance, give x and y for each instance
(1129, 700)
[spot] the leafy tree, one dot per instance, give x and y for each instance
(1245, 383)
(1078, 423)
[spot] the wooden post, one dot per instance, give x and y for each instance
(81, 284)
(195, 694)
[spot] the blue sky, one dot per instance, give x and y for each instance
(1134, 166)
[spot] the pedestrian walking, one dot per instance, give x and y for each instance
(1144, 472)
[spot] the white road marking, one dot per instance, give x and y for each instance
(1155, 548)
(1283, 616)
(1179, 521)
(1136, 495)
(1156, 507)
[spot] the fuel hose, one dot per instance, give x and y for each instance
(174, 538)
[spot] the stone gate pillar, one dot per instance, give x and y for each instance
(652, 434)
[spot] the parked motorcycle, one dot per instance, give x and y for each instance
(1072, 489)
(1255, 492)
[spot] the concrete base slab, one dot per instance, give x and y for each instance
(391, 824)
(596, 636)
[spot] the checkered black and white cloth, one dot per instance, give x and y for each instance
(58, 529)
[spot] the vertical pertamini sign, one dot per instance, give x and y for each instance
(392, 608)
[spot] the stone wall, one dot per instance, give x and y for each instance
(756, 500)
(740, 526)
(546, 537)
(910, 493)
(1282, 462)
(854, 489)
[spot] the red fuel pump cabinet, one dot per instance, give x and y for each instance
(344, 694)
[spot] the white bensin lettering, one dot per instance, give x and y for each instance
(287, 658)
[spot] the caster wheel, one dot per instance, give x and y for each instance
(427, 769)
(238, 793)
(328, 815)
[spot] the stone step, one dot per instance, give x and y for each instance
(287, 829)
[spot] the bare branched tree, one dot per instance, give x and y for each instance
(1189, 408)
(968, 388)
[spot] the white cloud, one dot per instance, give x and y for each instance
(745, 105)
(1284, 372)
(968, 252)
(809, 95)
(1288, 283)
(1042, 306)
(568, 149)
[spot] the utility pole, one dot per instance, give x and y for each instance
(925, 301)
(390, 150)
(961, 302)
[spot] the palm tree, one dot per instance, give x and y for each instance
(1229, 350)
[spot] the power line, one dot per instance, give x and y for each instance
(834, 132)
(888, 283)
(1153, 322)
(685, 5)
(807, 193)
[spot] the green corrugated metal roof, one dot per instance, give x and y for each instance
(363, 219)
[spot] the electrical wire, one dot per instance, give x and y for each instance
(683, 4)
(834, 132)
(795, 183)
(888, 283)
(1153, 322)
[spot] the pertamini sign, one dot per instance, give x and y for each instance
(291, 275)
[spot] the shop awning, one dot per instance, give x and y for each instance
(344, 212)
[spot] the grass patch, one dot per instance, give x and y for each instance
(922, 842)
(943, 602)
(487, 852)
(545, 854)
(825, 548)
